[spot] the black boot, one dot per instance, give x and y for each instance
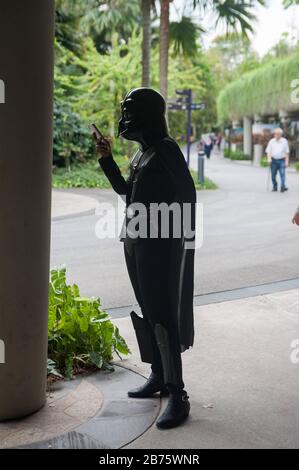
(176, 412)
(153, 385)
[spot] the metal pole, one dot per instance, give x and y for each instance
(26, 69)
(189, 102)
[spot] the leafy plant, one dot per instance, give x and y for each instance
(261, 91)
(235, 154)
(80, 332)
(264, 162)
(52, 369)
(207, 184)
(86, 175)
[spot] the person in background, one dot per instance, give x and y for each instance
(218, 141)
(278, 157)
(208, 145)
(295, 218)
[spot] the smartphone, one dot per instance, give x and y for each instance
(96, 131)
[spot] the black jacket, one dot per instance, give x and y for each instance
(162, 175)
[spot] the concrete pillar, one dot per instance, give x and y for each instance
(258, 151)
(26, 69)
(247, 135)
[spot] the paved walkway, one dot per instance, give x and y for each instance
(242, 384)
(90, 412)
(69, 203)
(248, 237)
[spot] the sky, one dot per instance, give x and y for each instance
(272, 21)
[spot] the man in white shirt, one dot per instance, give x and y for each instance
(278, 157)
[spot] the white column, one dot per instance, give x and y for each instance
(26, 69)
(247, 135)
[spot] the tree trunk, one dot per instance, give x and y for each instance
(164, 46)
(146, 42)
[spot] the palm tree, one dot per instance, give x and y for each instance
(146, 6)
(236, 14)
(103, 19)
(164, 46)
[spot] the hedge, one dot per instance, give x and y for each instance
(265, 90)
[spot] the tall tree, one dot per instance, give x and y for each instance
(164, 46)
(235, 14)
(146, 6)
(105, 18)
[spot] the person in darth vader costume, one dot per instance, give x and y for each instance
(161, 269)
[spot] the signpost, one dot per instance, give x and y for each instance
(184, 103)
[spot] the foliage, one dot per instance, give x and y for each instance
(52, 369)
(297, 166)
(229, 57)
(80, 332)
(234, 14)
(85, 175)
(264, 162)
(207, 184)
(184, 35)
(71, 134)
(89, 175)
(103, 19)
(263, 91)
(235, 154)
(289, 3)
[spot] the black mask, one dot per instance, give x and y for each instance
(143, 116)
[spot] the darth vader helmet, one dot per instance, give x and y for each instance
(143, 115)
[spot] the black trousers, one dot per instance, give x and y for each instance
(148, 264)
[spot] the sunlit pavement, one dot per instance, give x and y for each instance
(248, 237)
(242, 384)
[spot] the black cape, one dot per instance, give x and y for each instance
(160, 174)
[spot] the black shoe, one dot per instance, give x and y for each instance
(274, 190)
(153, 385)
(176, 412)
(283, 190)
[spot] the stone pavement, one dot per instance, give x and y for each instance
(241, 381)
(248, 237)
(90, 412)
(69, 203)
(242, 384)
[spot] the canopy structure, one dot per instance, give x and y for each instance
(26, 71)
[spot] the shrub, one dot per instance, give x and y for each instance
(80, 332)
(236, 154)
(207, 184)
(262, 91)
(264, 162)
(85, 175)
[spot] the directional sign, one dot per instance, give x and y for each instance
(183, 99)
(198, 105)
(177, 107)
(184, 103)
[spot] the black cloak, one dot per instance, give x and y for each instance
(160, 174)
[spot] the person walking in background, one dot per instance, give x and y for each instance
(208, 145)
(295, 218)
(278, 157)
(218, 141)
